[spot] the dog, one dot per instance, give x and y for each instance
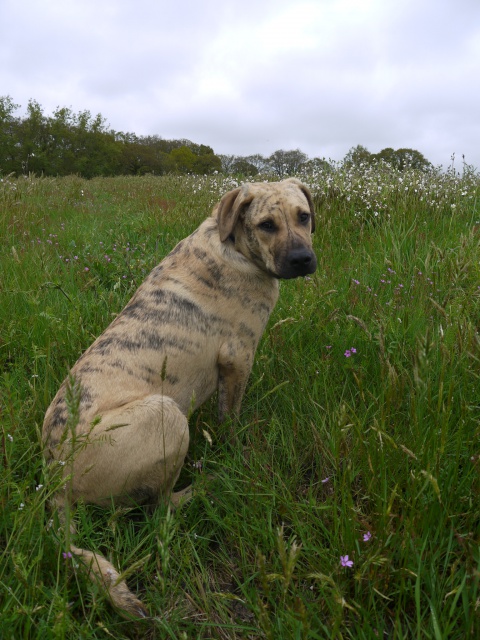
(192, 328)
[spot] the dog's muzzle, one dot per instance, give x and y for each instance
(298, 262)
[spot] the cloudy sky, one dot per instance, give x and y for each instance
(253, 76)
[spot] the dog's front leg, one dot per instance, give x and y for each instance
(233, 374)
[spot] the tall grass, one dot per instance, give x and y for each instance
(359, 433)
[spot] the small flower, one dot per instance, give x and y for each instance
(345, 562)
(9, 437)
(325, 480)
(329, 346)
(66, 555)
(40, 486)
(367, 536)
(21, 506)
(347, 353)
(353, 350)
(86, 269)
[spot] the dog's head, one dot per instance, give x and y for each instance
(271, 225)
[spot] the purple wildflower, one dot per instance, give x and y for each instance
(66, 555)
(367, 536)
(345, 562)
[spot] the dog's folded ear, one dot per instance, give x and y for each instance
(230, 208)
(306, 192)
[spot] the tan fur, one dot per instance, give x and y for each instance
(191, 329)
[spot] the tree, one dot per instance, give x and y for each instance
(259, 162)
(33, 139)
(207, 163)
(287, 163)
(136, 158)
(244, 167)
(61, 142)
(97, 151)
(357, 156)
(399, 159)
(227, 163)
(317, 165)
(404, 158)
(9, 150)
(183, 159)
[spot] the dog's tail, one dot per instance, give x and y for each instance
(103, 573)
(100, 570)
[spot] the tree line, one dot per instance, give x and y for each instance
(66, 143)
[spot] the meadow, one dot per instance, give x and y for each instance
(348, 505)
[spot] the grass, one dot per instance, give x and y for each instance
(359, 433)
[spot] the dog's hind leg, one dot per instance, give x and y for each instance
(133, 455)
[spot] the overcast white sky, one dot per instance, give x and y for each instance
(253, 76)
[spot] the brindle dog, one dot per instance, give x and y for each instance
(191, 329)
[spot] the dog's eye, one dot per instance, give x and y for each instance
(267, 225)
(304, 217)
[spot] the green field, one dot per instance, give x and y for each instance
(359, 433)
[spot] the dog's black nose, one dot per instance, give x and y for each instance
(299, 262)
(300, 258)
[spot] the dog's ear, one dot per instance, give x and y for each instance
(306, 192)
(229, 209)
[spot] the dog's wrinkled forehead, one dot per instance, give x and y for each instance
(268, 196)
(251, 200)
